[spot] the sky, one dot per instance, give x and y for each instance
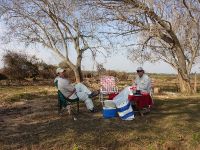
(117, 61)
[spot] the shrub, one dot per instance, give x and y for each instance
(100, 69)
(46, 71)
(20, 66)
(3, 77)
(122, 76)
(111, 73)
(88, 74)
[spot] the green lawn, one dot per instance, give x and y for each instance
(29, 120)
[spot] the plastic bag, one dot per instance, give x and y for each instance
(122, 96)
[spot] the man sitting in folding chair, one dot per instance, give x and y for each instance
(141, 95)
(64, 102)
(108, 87)
(143, 87)
(73, 93)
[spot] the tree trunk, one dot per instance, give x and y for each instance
(195, 82)
(78, 74)
(77, 70)
(185, 85)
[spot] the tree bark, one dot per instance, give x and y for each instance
(78, 74)
(195, 82)
(185, 85)
(77, 70)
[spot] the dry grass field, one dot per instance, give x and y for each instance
(29, 120)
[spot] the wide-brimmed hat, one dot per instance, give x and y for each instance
(59, 70)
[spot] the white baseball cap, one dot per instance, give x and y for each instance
(59, 70)
(140, 68)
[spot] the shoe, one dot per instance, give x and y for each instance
(93, 110)
(93, 94)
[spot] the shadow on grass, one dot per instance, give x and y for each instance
(190, 106)
(91, 131)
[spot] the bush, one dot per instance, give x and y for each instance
(122, 76)
(46, 71)
(100, 69)
(89, 74)
(111, 73)
(3, 77)
(20, 66)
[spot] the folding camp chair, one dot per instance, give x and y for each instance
(63, 101)
(108, 87)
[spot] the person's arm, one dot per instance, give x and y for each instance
(65, 85)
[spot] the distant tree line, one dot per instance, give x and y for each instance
(19, 66)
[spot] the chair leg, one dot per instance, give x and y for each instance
(69, 109)
(141, 113)
(59, 106)
(101, 98)
(77, 107)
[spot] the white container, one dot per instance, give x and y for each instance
(109, 104)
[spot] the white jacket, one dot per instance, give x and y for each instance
(143, 83)
(64, 86)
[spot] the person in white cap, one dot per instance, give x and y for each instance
(142, 81)
(72, 92)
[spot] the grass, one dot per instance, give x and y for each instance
(29, 120)
(195, 138)
(12, 94)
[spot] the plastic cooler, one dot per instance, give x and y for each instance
(109, 112)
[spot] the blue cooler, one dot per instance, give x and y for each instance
(109, 112)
